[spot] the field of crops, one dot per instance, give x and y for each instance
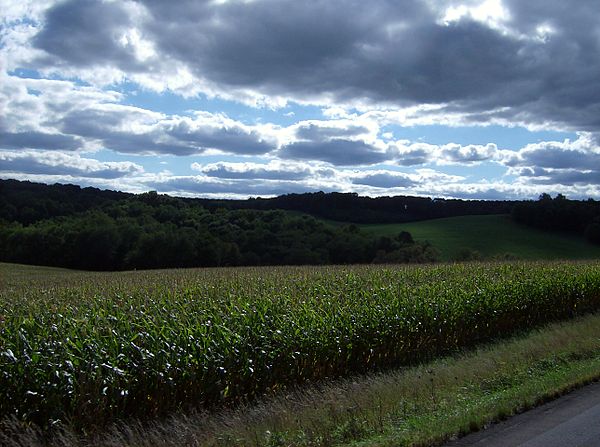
(87, 348)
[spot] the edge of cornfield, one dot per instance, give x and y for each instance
(417, 406)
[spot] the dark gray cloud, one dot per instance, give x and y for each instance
(414, 155)
(394, 52)
(91, 123)
(145, 143)
(537, 65)
(228, 171)
(38, 140)
(162, 137)
(103, 126)
(384, 180)
(554, 163)
(323, 132)
(337, 152)
(198, 185)
(487, 192)
(380, 51)
(556, 156)
(56, 163)
(568, 177)
(472, 153)
(85, 33)
(234, 139)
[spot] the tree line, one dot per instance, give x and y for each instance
(28, 202)
(350, 207)
(89, 228)
(84, 228)
(561, 214)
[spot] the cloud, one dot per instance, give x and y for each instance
(123, 129)
(206, 186)
(63, 164)
(242, 180)
(423, 182)
(470, 154)
(557, 163)
(38, 140)
(557, 155)
(74, 32)
(569, 177)
(61, 115)
(384, 180)
(277, 177)
(402, 62)
(208, 131)
(323, 131)
(337, 152)
(38, 105)
(495, 60)
(274, 170)
(414, 154)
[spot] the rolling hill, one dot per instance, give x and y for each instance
(491, 236)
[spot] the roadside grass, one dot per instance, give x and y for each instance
(491, 236)
(414, 406)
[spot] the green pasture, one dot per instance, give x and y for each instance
(491, 236)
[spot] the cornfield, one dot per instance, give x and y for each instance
(90, 348)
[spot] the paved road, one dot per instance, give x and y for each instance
(571, 421)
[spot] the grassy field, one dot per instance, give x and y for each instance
(88, 349)
(491, 236)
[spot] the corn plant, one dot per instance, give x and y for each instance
(89, 348)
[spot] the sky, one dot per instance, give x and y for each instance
(472, 99)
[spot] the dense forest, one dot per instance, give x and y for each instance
(350, 207)
(561, 214)
(28, 202)
(86, 228)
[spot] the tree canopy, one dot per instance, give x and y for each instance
(561, 214)
(85, 228)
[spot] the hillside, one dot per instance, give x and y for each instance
(90, 229)
(491, 236)
(28, 202)
(350, 207)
